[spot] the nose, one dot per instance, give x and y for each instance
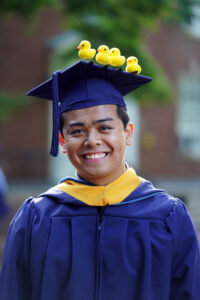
(92, 139)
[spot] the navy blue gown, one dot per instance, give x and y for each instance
(60, 248)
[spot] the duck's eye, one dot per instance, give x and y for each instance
(83, 45)
(105, 49)
(113, 51)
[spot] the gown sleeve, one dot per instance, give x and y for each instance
(185, 278)
(14, 276)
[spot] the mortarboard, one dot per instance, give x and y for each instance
(84, 85)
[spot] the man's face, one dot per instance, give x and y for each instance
(95, 142)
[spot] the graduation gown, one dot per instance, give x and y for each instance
(127, 240)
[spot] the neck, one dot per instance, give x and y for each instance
(104, 180)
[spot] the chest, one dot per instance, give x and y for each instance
(98, 251)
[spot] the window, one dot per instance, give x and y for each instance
(193, 27)
(188, 114)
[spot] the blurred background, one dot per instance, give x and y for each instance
(38, 37)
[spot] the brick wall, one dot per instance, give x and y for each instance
(24, 64)
(174, 49)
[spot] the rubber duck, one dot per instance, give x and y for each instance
(102, 57)
(85, 51)
(116, 59)
(132, 65)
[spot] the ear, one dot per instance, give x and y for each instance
(62, 143)
(129, 133)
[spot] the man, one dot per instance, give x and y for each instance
(106, 234)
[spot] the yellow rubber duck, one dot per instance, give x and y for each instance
(85, 51)
(116, 59)
(102, 57)
(132, 65)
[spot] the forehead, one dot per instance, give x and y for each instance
(93, 113)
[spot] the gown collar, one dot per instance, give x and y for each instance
(114, 192)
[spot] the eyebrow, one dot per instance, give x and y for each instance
(73, 124)
(102, 120)
(76, 124)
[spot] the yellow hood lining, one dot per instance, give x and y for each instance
(115, 192)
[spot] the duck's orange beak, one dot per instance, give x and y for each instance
(78, 47)
(99, 50)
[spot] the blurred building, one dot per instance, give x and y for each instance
(24, 63)
(167, 143)
(170, 139)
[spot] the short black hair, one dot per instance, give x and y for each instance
(121, 112)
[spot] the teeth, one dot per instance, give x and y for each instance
(95, 156)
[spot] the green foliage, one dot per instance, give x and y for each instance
(121, 23)
(9, 103)
(185, 10)
(137, 10)
(24, 8)
(117, 23)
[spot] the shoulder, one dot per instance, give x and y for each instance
(167, 206)
(35, 206)
(152, 203)
(54, 203)
(45, 203)
(179, 220)
(168, 203)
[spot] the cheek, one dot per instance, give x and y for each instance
(71, 149)
(120, 143)
(121, 149)
(73, 157)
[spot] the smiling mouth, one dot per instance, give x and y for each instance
(95, 155)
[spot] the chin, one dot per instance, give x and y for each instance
(98, 177)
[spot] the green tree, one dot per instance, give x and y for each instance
(117, 23)
(121, 23)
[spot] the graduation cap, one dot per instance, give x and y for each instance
(84, 85)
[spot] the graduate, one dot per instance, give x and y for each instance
(107, 233)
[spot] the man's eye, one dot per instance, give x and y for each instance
(77, 131)
(105, 127)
